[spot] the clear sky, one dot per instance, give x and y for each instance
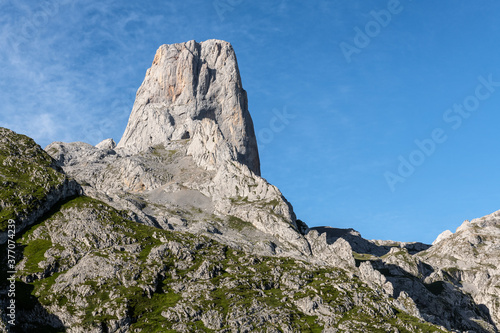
(380, 116)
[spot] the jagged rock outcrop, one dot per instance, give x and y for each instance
(470, 259)
(108, 144)
(164, 187)
(194, 90)
(337, 253)
(445, 234)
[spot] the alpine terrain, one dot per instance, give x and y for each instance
(174, 230)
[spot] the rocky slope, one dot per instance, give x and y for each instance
(30, 182)
(174, 230)
(87, 268)
(470, 257)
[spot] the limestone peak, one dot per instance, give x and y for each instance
(194, 91)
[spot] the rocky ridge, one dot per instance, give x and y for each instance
(177, 231)
(30, 182)
(470, 258)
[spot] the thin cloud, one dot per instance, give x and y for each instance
(58, 75)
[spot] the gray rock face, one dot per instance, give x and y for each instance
(470, 257)
(445, 234)
(337, 254)
(108, 144)
(194, 90)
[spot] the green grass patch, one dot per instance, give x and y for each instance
(238, 224)
(147, 311)
(34, 254)
(413, 324)
(363, 256)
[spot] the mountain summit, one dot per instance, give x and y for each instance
(189, 147)
(194, 90)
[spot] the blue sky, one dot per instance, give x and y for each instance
(387, 112)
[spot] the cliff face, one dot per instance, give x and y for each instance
(194, 90)
(174, 230)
